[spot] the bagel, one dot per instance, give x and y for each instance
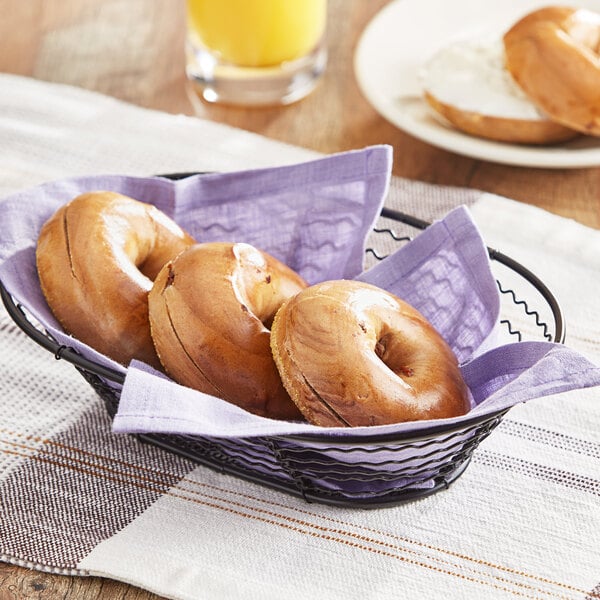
(554, 55)
(467, 84)
(351, 354)
(210, 313)
(96, 257)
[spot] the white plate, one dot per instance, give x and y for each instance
(405, 34)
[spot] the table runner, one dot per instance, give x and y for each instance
(522, 521)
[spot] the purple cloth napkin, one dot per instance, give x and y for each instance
(315, 217)
(444, 272)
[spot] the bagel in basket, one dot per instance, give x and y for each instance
(96, 258)
(211, 309)
(351, 354)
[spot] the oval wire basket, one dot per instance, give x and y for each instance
(367, 471)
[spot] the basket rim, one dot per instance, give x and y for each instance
(417, 223)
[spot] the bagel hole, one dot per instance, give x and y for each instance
(149, 267)
(389, 349)
(382, 347)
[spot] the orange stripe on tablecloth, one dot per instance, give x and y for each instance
(301, 511)
(297, 524)
(51, 442)
(595, 593)
(64, 461)
(400, 538)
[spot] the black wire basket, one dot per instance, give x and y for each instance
(361, 470)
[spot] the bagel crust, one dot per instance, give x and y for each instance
(502, 129)
(96, 258)
(351, 354)
(554, 55)
(210, 313)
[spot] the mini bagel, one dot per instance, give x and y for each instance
(210, 313)
(554, 55)
(351, 354)
(96, 258)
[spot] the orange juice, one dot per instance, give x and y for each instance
(257, 33)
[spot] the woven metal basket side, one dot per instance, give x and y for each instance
(367, 475)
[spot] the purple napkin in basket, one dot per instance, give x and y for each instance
(444, 272)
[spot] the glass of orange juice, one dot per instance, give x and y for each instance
(255, 52)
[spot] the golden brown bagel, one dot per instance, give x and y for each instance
(210, 313)
(502, 129)
(351, 354)
(96, 257)
(554, 55)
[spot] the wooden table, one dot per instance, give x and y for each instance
(133, 50)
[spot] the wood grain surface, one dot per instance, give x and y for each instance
(134, 50)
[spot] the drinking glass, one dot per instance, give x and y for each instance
(255, 52)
